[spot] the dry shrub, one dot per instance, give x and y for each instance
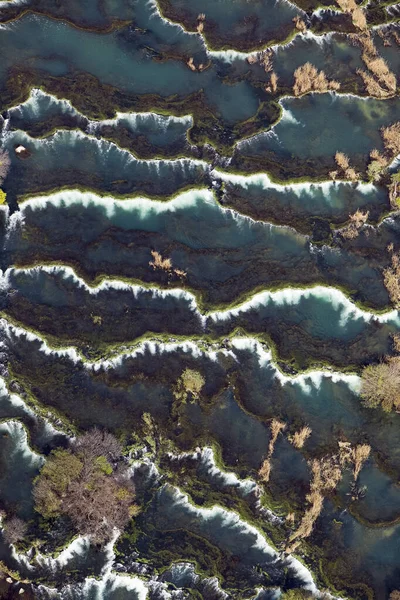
(290, 517)
(380, 385)
(265, 59)
(333, 174)
(191, 64)
(308, 79)
(342, 160)
(376, 155)
(357, 13)
(276, 427)
(360, 455)
(347, 6)
(5, 163)
(274, 81)
(312, 513)
(359, 19)
(180, 273)
(372, 86)
(200, 27)
(351, 174)
(159, 262)
(299, 23)
(391, 279)
(14, 530)
(299, 438)
(326, 474)
(396, 342)
(395, 595)
(265, 470)
(391, 138)
(359, 218)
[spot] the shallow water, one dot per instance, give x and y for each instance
(132, 152)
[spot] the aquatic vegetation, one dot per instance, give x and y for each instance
(199, 334)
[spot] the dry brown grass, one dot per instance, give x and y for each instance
(357, 13)
(351, 174)
(276, 427)
(274, 81)
(372, 86)
(360, 455)
(308, 79)
(180, 273)
(265, 470)
(265, 59)
(376, 155)
(299, 438)
(326, 474)
(299, 23)
(191, 64)
(159, 262)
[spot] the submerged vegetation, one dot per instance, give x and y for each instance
(186, 377)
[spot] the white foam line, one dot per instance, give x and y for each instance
(232, 520)
(288, 296)
(132, 118)
(107, 284)
(71, 137)
(142, 204)
(292, 296)
(307, 381)
(78, 546)
(264, 181)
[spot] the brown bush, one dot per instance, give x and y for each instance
(299, 23)
(158, 262)
(391, 138)
(391, 279)
(342, 160)
(299, 438)
(372, 86)
(308, 79)
(14, 530)
(395, 595)
(276, 427)
(360, 455)
(380, 385)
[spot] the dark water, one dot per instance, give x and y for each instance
(128, 152)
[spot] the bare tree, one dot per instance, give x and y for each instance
(14, 530)
(5, 163)
(97, 442)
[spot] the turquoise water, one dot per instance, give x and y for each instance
(131, 152)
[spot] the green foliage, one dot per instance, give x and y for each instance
(297, 594)
(61, 468)
(104, 465)
(83, 485)
(190, 382)
(3, 197)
